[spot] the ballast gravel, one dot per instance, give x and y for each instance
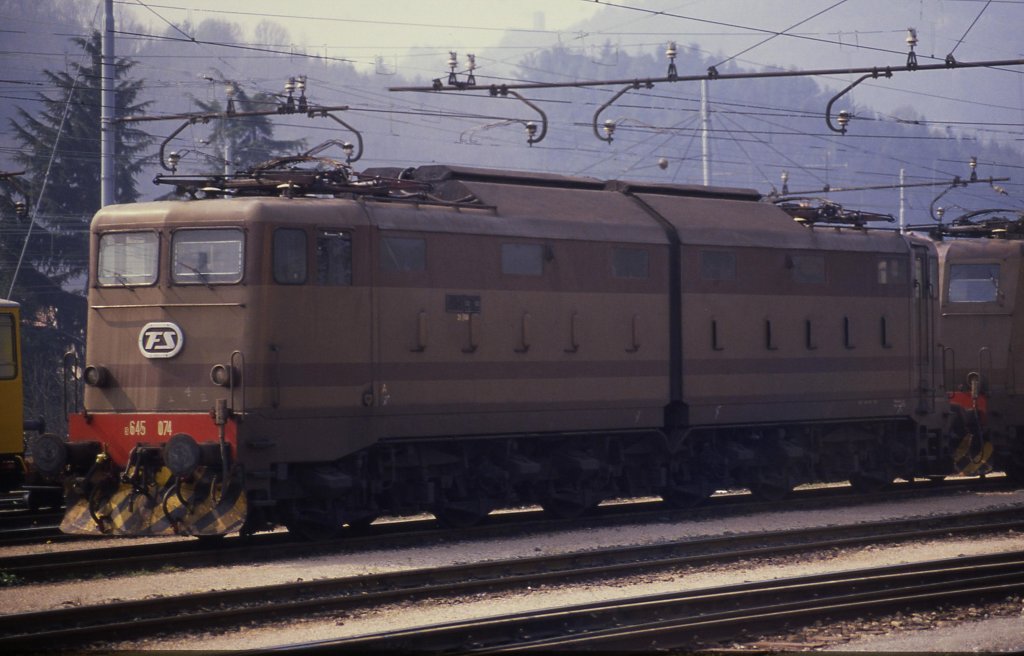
(24, 598)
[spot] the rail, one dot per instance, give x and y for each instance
(223, 607)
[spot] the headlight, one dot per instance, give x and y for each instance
(222, 374)
(96, 375)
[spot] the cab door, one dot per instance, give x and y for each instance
(925, 285)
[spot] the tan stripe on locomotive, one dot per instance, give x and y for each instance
(534, 339)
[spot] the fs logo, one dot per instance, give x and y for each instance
(160, 339)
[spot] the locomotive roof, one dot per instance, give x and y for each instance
(981, 247)
(440, 198)
(437, 173)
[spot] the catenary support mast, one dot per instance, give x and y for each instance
(107, 85)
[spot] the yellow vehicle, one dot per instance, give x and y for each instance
(12, 465)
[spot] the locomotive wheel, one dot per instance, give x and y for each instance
(578, 486)
(311, 530)
(771, 482)
(772, 478)
(468, 501)
(461, 515)
(1015, 472)
(462, 508)
(314, 519)
(875, 474)
(870, 482)
(567, 507)
(771, 490)
(684, 494)
(361, 523)
(683, 499)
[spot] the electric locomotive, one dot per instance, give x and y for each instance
(982, 338)
(308, 346)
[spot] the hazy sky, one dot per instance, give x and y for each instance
(822, 33)
(362, 31)
(410, 39)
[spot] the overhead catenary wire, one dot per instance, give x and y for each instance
(969, 28)
(383, 110)
(782, 33)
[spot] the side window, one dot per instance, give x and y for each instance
(207, 256)
(522, 259)
(8, 364)
(892, 271)
(973, 283)
(808, 268)
(334, 258)
(717, 265)
(630, 263)
(403, 254)
(289, 256)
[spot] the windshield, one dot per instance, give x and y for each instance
(973, 283)
(207, 257)
(127, 258)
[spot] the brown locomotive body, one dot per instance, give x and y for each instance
(983, 348)
(491, 338)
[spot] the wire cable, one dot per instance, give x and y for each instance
(46, 178)
(778, 34)
(969, 27)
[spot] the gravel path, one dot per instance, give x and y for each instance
(53, 595)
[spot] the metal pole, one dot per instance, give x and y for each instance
(903, 202)
(705, 125)
(107, 100)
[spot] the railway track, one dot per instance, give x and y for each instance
(699, 619)
(23, 526)
(190, 553)
(131, 619)
(14, 519)
(34, 535)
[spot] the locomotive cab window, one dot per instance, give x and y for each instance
(334, 258)
(8, 367)
(403, 254)
(630, 263)
(289, 256)
(973, 283)
(207, 256)
(127, 259)
(522, 259)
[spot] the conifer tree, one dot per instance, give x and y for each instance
(45, 249)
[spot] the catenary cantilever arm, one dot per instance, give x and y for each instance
(359, 138)
(163, 145)
(828, 108)
(532, 137)
(636, 84)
